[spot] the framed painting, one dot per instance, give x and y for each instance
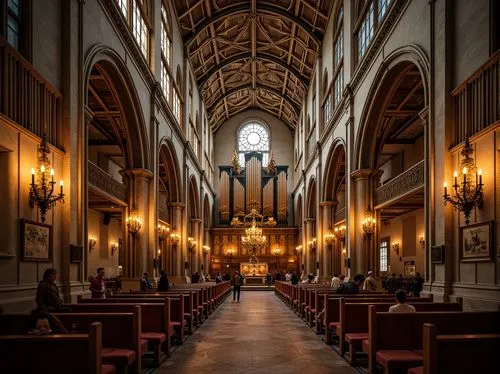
(476, 242)
(36, 241)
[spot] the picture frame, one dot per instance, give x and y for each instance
(477, 242)
(36, 241)
(437, 254)
(75, 253)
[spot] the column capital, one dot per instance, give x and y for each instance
(195, 220)
(137, 173)
(361, 174)
(176, 204)
(328, 203)
(309, 219)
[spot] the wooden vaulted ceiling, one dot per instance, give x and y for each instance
(253, 53)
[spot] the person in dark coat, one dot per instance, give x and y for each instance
(352, 287)
(163, 282)
(295, 278)
(47, 294)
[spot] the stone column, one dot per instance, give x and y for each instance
(176, 213)
(363, 245)
(309, 258)
(196, 251)
(326, 263)
(137, 181)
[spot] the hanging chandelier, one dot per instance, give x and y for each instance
(253, 240)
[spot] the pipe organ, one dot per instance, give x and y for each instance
(254, 187)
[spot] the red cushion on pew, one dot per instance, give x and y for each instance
(122, 356)
(366, 346)
(398, 359)
(108, 369)
(418, 370)
(333, 325)
(356, 337)
(144, 346)
(157, 337)
(313, 310)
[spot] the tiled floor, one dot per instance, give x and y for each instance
(259, 335)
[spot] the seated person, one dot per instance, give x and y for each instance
(401, 306)
(146, 283)
(352, 287)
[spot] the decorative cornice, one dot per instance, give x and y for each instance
(137, 173)
(363, 174)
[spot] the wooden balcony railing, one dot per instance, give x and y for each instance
(476, 102)
(27, 98)
(106, 183)
(340, 215)
(404, 183)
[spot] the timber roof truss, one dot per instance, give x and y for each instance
(253, 53)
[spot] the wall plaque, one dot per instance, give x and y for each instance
(437, 254)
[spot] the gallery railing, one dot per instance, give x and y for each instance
(404, 183)
(106, 183)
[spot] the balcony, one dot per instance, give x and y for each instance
(404, 184)
(27, 98)
(104, 182)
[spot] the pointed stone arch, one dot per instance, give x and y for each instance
(169, 171)
(311, 198)
(334, 170)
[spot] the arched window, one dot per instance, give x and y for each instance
(253, 137)
(166, 51)
(338, 59)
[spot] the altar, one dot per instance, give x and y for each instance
(252, 281)
(249, 269)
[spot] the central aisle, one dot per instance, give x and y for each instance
(258, 335)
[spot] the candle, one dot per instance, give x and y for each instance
(445, 189)
(61, 184)
(455, 175)
(33, 176)
(52, 174)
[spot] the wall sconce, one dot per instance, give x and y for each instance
(298, 249)
(114, 248)
(369, 223)
(340, 232)
(312, 245)
(175, 238)
(330, 237)
(206, 249)
(468, 194)
(395, 247)
(192, 244)
(134, 224)
(42, 192)
(92, 243)
(163, 232)
(344, 251)
(421, 241)
(276, 252)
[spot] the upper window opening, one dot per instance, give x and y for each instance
(253, 137)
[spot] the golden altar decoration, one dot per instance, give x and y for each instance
(249, 269)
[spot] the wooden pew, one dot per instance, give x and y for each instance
(76, 353)
(154, 322)
(331, 302)
(458, 354)
(392, 349)
(353, 325)
(120, 334)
